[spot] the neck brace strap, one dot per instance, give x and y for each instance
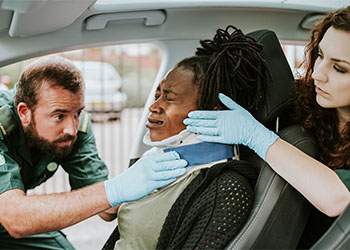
(204, 152)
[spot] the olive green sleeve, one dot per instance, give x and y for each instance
(344, 175)
(84, 166)
(10, 176)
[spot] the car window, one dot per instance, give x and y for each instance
(100, 73)
(295, 57)
(118, 79)
(132, 67)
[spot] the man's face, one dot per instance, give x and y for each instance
(175, 97)
(55, 121)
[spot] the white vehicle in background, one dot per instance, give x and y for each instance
(104, 98)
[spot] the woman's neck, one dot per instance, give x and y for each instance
(183, 138)
(343, 116)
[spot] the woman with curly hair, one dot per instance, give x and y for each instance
(322, 106)
(327, 118)
(208, 205)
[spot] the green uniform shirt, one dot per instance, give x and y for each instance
(22, 169)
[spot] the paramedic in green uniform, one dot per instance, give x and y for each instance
(42, 127)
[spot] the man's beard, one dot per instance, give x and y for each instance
(51, 148)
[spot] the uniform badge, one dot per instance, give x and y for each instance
(52, 166)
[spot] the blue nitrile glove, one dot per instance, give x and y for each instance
(146, 175)
(234, 126)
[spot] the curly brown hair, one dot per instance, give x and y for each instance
(323, 122)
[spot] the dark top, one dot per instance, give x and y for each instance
(210, 211)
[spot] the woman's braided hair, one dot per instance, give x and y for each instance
(232, 63)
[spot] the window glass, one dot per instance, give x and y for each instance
(118, 80)
(117, 84)
(295, 57)
(132, 68)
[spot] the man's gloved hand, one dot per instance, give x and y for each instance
(234, 126)
(146, 175)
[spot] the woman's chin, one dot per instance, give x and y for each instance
(156, 136)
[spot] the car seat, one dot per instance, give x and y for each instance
(279, 211)
(338, 235)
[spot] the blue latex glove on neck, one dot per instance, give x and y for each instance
(147, 174)
(234, 126)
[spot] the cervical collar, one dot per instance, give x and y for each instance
(198, 154)
(189, 148)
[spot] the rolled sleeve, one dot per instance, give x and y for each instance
(10, 176)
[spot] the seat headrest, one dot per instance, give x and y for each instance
(278, 89)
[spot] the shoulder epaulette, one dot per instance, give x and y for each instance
(8, 121)
(84, 121)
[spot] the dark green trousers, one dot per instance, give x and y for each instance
(53, 240)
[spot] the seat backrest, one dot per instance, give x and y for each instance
(279, 211)
(280, 88)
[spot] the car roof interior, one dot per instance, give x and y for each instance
(89, 23)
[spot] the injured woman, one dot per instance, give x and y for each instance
(206, 207)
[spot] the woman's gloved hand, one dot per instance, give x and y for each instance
(234, 126)
(146, 175)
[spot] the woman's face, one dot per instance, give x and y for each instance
(175, 97)
(332, 70)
